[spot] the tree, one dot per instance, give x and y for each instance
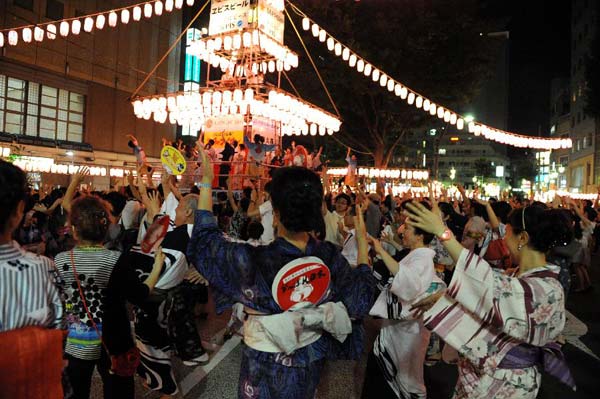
(482, 168)
(431, 47)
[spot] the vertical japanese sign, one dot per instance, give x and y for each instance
(271, 19)
(228, 15)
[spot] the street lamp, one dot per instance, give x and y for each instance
(469, 118)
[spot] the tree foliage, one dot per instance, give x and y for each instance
(433, 47)
(483, 168)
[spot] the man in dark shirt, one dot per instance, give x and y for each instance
(226, 156)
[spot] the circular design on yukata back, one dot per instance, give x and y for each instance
(305, 279)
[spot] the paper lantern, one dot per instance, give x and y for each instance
(330, 44)
(63, 28)
(147, 10)
(375, 75)
(1, 39)
(168, 5)
(100, 20)
(88, 24)
(368, 69)
(315, 30)
(352, 61)
(189, 2)
(137, 13)
(322, 35)
(345, 54)
(38, 34)
(125, 16)
(390, 85)
(403, 93)
(383, 80)
(398, 89)
(419, 102)
(178, 4)
(51, 31)
(338, 49)
(360, 66)
(411, 98)
(158, 8)
(432, 109)
(27, 35)
(305, 23)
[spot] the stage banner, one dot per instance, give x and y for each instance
(224, 128)
(266, 128)
(228, 15)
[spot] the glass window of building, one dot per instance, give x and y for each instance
(32, 109)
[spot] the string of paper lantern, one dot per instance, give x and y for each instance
(296, 116)
(419, 101)
(73, 26)
(392, 173)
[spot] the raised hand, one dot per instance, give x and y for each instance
(207, 168)
(426, 220)
(361, 236)
(130, 178)
(81, 174)
(153, 205)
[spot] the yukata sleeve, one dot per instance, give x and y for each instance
(354, 287)
(125, 283)
(225, 264)
(54, 293)
(530, 309)
(413, 279)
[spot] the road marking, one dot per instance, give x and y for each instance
(575, 329)
(200, 372)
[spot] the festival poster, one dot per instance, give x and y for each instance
(224, 128)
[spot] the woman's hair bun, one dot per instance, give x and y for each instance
(547, 228)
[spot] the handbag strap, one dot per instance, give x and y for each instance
(83, 301)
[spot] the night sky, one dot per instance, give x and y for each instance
(539, 51)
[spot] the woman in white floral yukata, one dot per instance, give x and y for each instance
(504, 328)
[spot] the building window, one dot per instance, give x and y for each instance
(32, 109)
(54, 9)
(26, 4)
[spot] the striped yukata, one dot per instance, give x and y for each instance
(492, 319)
(28, 287)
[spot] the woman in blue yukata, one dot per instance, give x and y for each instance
(303, 302)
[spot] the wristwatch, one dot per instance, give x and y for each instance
(446, 235)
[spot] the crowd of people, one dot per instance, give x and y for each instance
(302, 261)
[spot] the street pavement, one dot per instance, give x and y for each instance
(343, 379)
